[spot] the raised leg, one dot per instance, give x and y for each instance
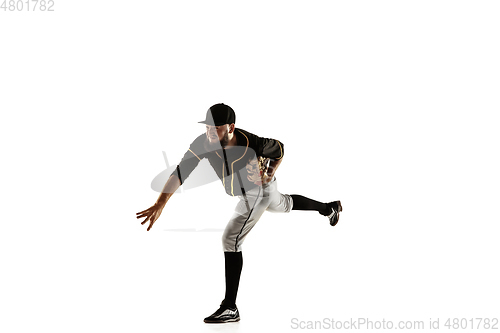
(302, 203)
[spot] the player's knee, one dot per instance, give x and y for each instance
(227, 245)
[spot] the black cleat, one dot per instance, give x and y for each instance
(334, 215)
(225, 314)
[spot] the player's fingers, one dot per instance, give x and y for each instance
(154, 216)
(142, 215)
(147, 218)
(147, 211)
(150, 225)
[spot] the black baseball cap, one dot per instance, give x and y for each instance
(219, 114)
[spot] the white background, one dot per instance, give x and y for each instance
(390, 106)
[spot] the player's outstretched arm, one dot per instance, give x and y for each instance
(153, 213)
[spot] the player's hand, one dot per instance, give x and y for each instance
(152, 214)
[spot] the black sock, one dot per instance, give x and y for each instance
(302, 203)
(233, 265)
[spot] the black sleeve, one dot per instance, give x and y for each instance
(270, 148)
(191, 158)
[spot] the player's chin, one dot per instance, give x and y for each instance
(212, 142)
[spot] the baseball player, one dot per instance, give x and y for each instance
(246, 165)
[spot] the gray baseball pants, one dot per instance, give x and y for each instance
(248, 211)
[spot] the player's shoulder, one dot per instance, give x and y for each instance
(251, 140)
(254, 138)
(250, 136)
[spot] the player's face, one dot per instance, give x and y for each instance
(217, 134)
